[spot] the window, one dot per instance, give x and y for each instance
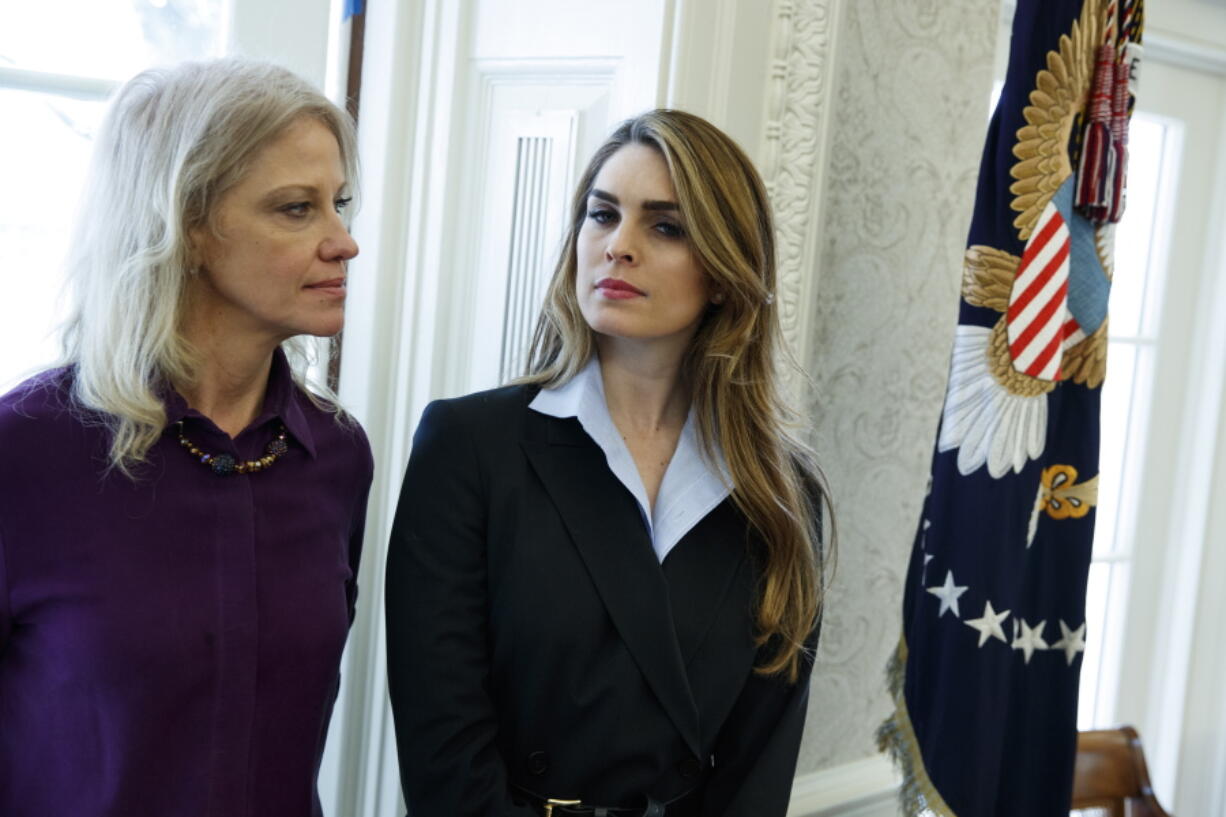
(58, 64)
(1153, 603)
(1133, 332)
(54, 80)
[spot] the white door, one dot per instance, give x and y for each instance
(535, 99)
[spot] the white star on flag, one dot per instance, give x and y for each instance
(1028, 639)
(948, 593)
(989, 625)
(1071, 641)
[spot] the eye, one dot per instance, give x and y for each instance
(341, 203)
(601, 215)
(669, 229)
(296, 209)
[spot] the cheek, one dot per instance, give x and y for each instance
(587, 255)
(693, 289)
(260, 272)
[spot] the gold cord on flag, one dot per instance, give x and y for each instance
(1102, 169)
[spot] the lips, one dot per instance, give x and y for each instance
(618, 289)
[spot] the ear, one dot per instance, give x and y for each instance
(197, 241)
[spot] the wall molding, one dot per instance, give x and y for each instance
(1176, 49)
(794, 148)
(70, 85)
(862, 788)
(389, 370)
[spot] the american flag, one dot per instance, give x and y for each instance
(985, 677)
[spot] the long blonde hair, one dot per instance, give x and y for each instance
(730, 362)
(172, 143)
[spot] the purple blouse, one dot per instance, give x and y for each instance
(170, 647)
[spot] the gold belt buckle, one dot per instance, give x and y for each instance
(552, 801)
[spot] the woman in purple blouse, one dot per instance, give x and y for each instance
(180, 518)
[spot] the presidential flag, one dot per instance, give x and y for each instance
(985, 676)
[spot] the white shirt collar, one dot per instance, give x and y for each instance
(691, 487)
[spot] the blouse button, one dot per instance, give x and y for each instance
(538, 763)
(689, 768)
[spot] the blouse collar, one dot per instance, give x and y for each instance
(692, 487)
(281, 402)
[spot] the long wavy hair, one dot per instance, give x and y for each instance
(730, 365)
(172, 143)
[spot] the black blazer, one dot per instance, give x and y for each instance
(535, 640)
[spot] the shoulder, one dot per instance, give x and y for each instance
(336, 432)
(494, 410)
(485, 422)
(37, 408)
(46, 436)
(359, 444)
(505, 401)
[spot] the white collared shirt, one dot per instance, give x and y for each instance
(691, 488)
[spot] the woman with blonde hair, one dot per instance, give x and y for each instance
(604, 580)
(180, 517)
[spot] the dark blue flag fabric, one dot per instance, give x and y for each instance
(986, 673)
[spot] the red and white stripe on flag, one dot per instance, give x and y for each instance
(1038, 321)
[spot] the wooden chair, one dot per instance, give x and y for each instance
(1111, 778)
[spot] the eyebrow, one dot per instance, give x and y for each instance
(308, 189)
(300, 189)
(650, 204)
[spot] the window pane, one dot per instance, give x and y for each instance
(1106, 597)
(1136, 292)
(1134, 288)
(43, 164)
(107, 38)
(1116, 399)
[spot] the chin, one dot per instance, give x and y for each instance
(327, 332)
(316, 329)
(323, 326)
(613, 329)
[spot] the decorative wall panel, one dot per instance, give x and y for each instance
(527, 268)
(909, 95)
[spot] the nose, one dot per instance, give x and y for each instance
(621, 247)
(339, 245)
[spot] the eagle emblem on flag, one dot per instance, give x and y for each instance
(1052, 299)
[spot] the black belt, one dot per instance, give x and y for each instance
(557, 807)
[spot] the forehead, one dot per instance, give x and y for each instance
(636, 171)
(305, 151)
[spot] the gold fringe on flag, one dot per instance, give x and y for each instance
(918, 797)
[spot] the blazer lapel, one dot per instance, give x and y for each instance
(706, 571)
(604, 522)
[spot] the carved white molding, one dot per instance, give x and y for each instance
(794, 157)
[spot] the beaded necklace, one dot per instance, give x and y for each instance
(224, 464)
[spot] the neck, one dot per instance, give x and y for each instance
(643, 386)
(230, 380)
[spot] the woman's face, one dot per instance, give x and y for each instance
(637, 276)
(274, 266)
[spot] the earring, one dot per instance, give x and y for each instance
(717, 298)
